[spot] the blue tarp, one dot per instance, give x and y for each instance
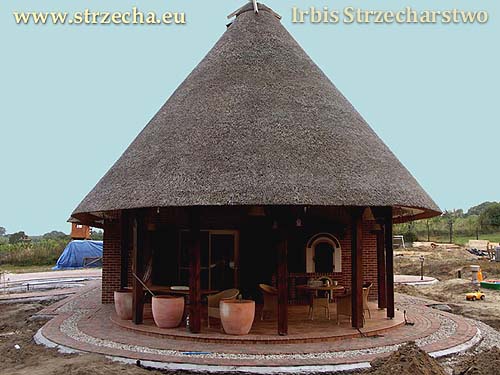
(76, 251)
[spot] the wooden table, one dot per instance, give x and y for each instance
(168, 290)
(329, 288)
(314, 289)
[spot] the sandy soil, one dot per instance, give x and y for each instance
(408, 359)
(16, 328)
(444, 265)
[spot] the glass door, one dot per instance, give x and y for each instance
(184, 259)
(223, 260)
(218, 259)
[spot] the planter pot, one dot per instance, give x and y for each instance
(123, 304)
(167, 311)
(237, 316)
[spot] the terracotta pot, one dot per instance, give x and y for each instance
(237, 316)
(168, 311)
(123, 304)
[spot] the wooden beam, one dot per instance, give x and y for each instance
(381, 276)
(138, 233)
(282, 249)
(389, 263)
(357, 267)
(194, 271)
(124, 247)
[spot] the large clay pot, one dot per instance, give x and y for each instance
(123, 304)
(237, 316)
(167, 311)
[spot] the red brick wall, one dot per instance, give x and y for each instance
(111, 267)
(369, 259)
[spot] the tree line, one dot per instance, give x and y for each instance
(22, 237)
(480, 220)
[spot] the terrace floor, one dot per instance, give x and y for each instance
(300, 328)
(82, 323)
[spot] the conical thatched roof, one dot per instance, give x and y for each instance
(257, 123)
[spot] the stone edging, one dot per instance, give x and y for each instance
(42, 340)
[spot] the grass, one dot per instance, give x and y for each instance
(463, 240)
(37, 253)
(23, 269)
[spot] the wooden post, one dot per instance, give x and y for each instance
(124, 247)
(381, 276)
(357, 267)
(139, 231)
(389, 263)
(194, 272)
(282, 248)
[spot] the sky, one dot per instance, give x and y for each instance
(72, 98)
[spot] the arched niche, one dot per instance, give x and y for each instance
(323, 238)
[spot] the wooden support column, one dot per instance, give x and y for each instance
(389, 263)
(381, 276)
(282, 249)
(124, 247)
(194, 272)
(357, 267)
(138, 234)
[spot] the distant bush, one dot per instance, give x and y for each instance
(40, 253)
(410, 237)
(56, 235)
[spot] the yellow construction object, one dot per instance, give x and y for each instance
(474, 296)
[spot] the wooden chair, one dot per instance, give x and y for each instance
(344, 306)
(366, 292)
(214, 300)
(323, 301)
(270, 297)
(320, 302)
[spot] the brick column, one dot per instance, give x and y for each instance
(111, 263)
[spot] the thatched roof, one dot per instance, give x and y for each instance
(257, 123)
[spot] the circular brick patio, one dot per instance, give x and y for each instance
(82, 323)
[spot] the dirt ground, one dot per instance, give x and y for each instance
(444, 265)
(16, 328)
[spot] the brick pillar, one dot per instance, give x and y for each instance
(111, 263)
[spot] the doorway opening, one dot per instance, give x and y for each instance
(219, 258)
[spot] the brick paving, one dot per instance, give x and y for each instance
(82, 322)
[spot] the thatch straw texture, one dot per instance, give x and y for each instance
(257, 123)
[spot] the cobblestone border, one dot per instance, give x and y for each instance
(65, 333)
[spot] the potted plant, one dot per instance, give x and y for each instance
(167, 311)
(123, 303)
(237, 316)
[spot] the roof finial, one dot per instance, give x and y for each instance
(255, 7)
